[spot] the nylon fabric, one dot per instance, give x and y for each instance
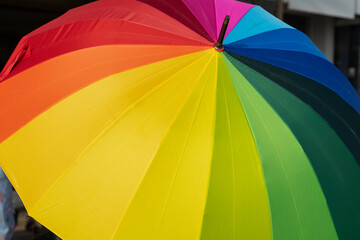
(42, 86)
(178, 10)
(307, 65)
(341, 117)
(129, 10)
(328, 155)
(293, 188)
(281, 39)
(235, 9)
(91, 33)
(237, 203)
(255, 21)
(118, 120)
(93, 139)
(204, 11)
(99, 23)
(179, 170)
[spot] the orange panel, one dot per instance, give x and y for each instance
(37, 89)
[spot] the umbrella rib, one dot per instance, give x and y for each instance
(277, 153)
(40, 30)
(186, 141)
(272, 49)
(178, 11)
(182, 25)
(212, 147)
(287, 31)
(106, 129)
(232, 159)
(162, 140)
(174, 33)
(255, 35)
(195, 15)
(55, 78)
(349, 92)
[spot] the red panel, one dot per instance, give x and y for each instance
(100, 23)
(91, 33)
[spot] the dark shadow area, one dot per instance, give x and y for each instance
(20, 17)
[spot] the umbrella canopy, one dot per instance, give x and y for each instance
(134, 120)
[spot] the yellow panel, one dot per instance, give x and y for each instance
(169, 203)
(237, 205)
(86, 156)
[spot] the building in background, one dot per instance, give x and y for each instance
(333, 25)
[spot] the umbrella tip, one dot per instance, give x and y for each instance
(219, 44)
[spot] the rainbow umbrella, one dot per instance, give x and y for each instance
(149, 120)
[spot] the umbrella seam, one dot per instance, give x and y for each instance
(342, 83)
(182, 153)
(256, 146)
(211, 150)
(276, 150)
(162, 140)
(199, 20)
(95, 139)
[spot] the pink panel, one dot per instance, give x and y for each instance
(236, 10)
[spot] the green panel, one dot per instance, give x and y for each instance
(237, 204)
(340, 116)
(337, 171)
(298, 206)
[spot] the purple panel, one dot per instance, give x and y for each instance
(179, 11)
(204, 11)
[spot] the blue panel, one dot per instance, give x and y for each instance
(308, 65)
(256, 21)
(280, 39)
